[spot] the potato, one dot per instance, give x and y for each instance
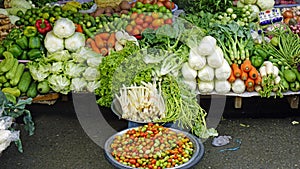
(124, 5)
(124, 12)
(108, 10)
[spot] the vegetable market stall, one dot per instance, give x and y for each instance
(140, 52)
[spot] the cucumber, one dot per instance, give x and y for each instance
(11, 73)
(15, 80)
(25, 81)
(10, 60)
(3, 79)
(32, 90)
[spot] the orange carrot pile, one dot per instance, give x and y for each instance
(247, 72)
(102, 42)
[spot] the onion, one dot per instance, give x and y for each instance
(288, 14)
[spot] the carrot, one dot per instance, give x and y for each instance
(236, 70)
(94, 47)
(103, 51)
(99, 41)
(249, 82)
(244, 75)
(88, 42)
(111, 40)
(78, 28)
(253, 73)
(250, 89)
(258, 80)
(246, 65)
(104, 35)
(231, 78)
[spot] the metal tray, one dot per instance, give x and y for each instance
(195, 159)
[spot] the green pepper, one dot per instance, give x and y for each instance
(24, 55)
(22, 42)
(256, 61)
(15, 50)
(2, 49)
(284, 84)
(30, 31)
(34, 42)
(7, 43)
(14, 34)
(260, 52)
(34, 54)
(295, 86)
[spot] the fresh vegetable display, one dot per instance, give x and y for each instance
(152, 146)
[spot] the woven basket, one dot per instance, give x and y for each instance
(106, 3)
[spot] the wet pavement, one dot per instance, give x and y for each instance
(268, 141)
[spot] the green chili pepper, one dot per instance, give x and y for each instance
(34, 42)
(34, 54)
(15, 50)
(30, 31)
(22, 42)
(256, 61)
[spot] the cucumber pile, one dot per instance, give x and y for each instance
(15, 80)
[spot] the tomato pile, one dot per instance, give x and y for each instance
(152, 146)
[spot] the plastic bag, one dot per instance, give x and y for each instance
(5, 122)
(91, 10)
(6, 137)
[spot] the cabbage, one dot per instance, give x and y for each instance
(73, 69)
(222, 86)
(20, 4)
(57, 67)
(215, 60)
(53, 43)
(205, 87)
(192, 84)
(92, 86)
(63, 28)
(206, 73)
(223, 72)
(83, 53)
(78, 84)
(265, 4)
(249, 1)
(187, 72)
(196, 61)
(94, 61)
(59, 83)
(255, 12)
(75, 41)
(39, 70)
(59, 56)
(91, 74)
(207, 46)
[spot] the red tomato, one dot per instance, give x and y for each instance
(133, 15)
(129, 28)
(148, 19)
(145, 25)
(157, 22)
(155, 15)
(132, 161)
(139, 21)
(135, 31)
(139, 27)
(141, 15)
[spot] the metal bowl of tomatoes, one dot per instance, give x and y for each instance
(153, 146)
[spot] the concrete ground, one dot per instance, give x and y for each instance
(268, 140)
